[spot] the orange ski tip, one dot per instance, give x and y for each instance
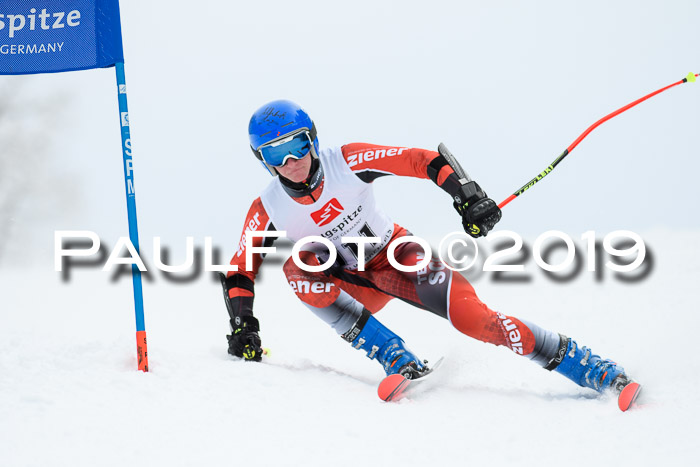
(392, 387)
(628, 395)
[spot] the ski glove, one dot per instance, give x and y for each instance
(244, 341)
(479, 212)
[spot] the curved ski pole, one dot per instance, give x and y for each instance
(689, 78)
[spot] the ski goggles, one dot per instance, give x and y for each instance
(295, 146)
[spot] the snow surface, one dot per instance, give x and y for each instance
(70, 394)
(506, 85)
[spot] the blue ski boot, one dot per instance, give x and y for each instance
(381, 344)
(586, 369)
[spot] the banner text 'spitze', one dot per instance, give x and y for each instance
(41, 36)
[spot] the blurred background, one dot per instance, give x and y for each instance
(506, 86)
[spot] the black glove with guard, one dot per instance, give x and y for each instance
(479, 212)
(244, 341)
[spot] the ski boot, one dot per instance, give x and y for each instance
(381, 344)
(586, 369)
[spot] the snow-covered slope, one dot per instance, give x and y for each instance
(70, 394)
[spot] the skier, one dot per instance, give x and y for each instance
(329, 193)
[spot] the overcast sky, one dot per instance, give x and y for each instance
(505, 85)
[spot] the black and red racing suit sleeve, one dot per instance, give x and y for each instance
(371, 161)
(239, 285)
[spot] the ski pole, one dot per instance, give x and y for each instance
(689, 78)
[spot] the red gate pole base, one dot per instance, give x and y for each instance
(142, 350)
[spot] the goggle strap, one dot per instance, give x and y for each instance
(258, 156)
(312, 132)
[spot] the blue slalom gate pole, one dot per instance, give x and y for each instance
(84, 35)
(141, 348)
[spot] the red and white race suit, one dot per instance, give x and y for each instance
(343, 205)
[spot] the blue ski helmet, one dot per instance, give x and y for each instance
(280, 130)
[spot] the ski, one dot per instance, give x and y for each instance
(628, 396)
(395, 387)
